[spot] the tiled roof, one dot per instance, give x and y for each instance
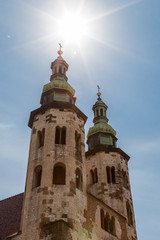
(10, 215)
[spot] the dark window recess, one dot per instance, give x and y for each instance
(107, 222)
(37, 176)
(78, 147)
(78, 179)
(63, 137)
(60, 135)
(94, 176)
(102, 218)
(129, 214)
(57, 136)
(108, 174)
(101, 112)
(97, 112)
(125, 179)
(59, 174)
(110, 171)
(60, 69)
(41, 135)
(113, 174)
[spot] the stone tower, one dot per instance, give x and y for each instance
(108, 177)
(70, 194)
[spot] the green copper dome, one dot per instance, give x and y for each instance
(101, 127)
(59, 84)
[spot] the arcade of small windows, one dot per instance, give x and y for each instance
(129, 214)
(107, 222)
(100, 112)
(110, 171)
(41, 135)
(59, 174)
(60, 135)
(79, 179)
(94, 176)
(37, 176)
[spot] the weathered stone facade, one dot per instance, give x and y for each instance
(70, 194)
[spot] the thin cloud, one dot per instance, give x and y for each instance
(144, 145)
(6, 126)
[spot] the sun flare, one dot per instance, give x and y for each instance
(72, 28)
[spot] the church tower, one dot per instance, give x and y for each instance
(108, 178)
(55, 192)
(70, 194)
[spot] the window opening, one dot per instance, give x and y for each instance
(95, 176)
(63, 136)
(78, 179)
(59, 174)
(92, 176)
(41, 135)
(37, 176)
(113, 174)
(102, 218)
(112, 226)
(101, 112)
(97, 112)
(106, 222)
(57, 137)
(108, 174)
(78, 150)
(129, 214)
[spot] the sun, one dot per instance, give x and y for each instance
(72, 28)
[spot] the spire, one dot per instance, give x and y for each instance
(60, 51)
(58, 90)
(98, 94)
(101, 133)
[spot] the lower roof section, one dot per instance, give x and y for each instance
(102, 148)
(10, 215)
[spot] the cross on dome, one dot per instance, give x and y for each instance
(98, 94)
(60, 51)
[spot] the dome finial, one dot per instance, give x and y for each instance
(60, 51)
(98, 94)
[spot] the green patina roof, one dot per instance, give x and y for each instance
(101, 127)
(99, 103)
(59, 84)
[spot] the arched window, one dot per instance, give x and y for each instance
(60, 135)
(113, 174)
(129, 214)
(95, 176)
(92, 176)
(59, 174)
(78, 179)
(63, 135)
(57, 136)
(101, 112)
(112, 225)
(41, 135)
(37, 176)
(102, 218)
(108, 174)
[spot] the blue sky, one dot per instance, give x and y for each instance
(121, 54)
